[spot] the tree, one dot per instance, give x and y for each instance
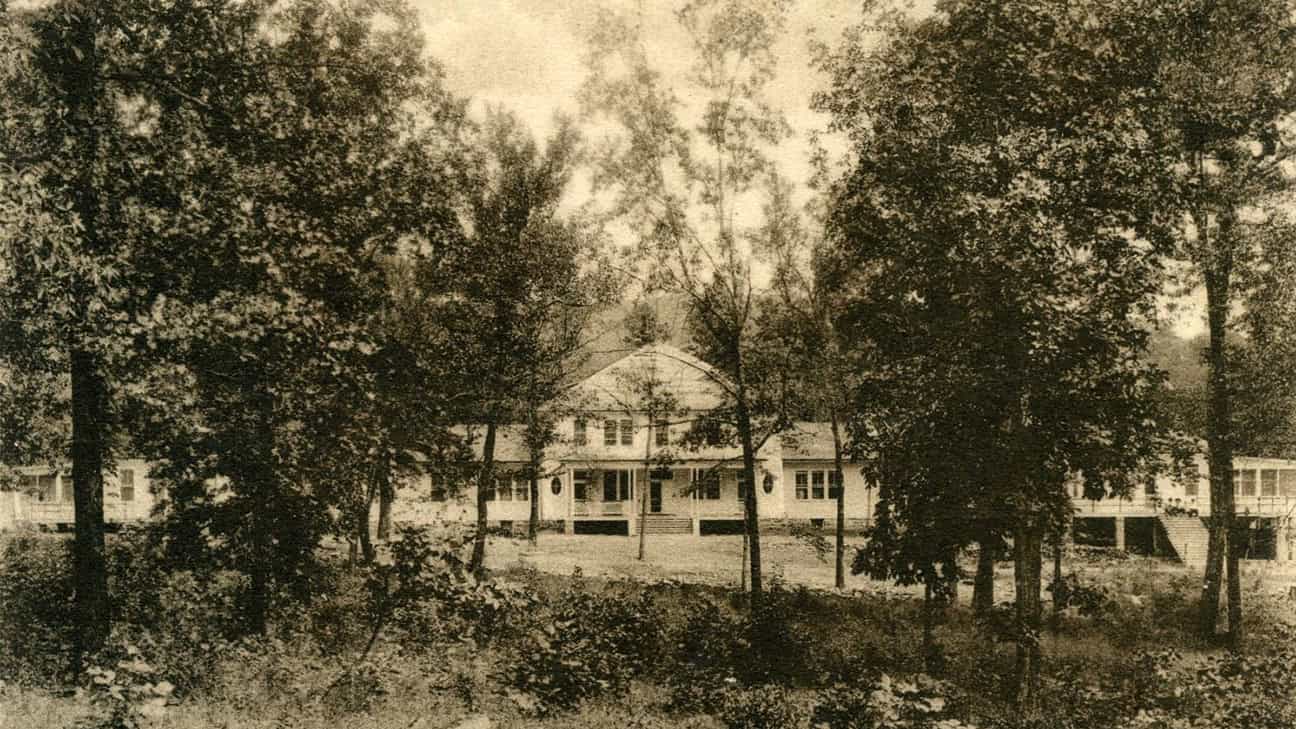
(1001, 223)
(1227, 101)
(85, 85)
(803, 314)
(519, 295)
(682, 190)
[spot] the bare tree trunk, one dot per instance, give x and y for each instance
(1027, 543)
(533, 519)
(983, 599)
(749, 503)
(90, 573)
(386, 494)
(1219, 439)
(931, 655)
(84, 96)
(1056, 617)
(839, 575)
(485, 480)
(1234, 588)
(643, 495)
(742, 573)
(362, 527)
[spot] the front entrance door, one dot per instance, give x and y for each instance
(654, 496)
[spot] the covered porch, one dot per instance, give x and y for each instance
(679, 498)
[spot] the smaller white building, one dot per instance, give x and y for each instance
(43, 496)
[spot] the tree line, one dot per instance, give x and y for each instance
(261, 245)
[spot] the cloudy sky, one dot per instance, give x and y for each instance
(526, 55)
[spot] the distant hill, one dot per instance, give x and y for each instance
(607, 332)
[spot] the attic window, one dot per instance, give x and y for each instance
(579, 433)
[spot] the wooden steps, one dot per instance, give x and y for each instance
(667, 524)
(1189, 537)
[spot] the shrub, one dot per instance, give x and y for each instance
(888, 703)
(592, 644)
(760, 707)
(709, 651)
(36, 616)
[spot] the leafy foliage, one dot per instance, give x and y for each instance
(591, 644)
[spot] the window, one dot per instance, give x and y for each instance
(580, 484)
(662, 433)
(742, 485)
(521, 489)
(706, 483)
(1287, 481)
(1244, 483)
(768, 484)
(1149, 487)
(68, 497)
(627, 432)
(127, 479)
(438, 487)
(810, 484)
(1190, 487)
(555, 486)
(1268, 483)
(579, 434)
(609, 433)
(48, 487)
(616, 486)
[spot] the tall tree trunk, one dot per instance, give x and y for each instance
(742, 570)
(1056, 617)
(362, 524)
(983, 598)
(1234, 588)
(485, 480)
(1027, 543)
(647, 487)
(1219, 436)
(84, 96)
(533, 518)
(749, 503)
(839, 575)
(90, 573)
(931, 652)
(386, 494)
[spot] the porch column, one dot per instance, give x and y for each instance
(693, 512)
(1120, 533)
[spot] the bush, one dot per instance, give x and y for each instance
(36, 614)
(761, 707)
(711, 650)
(888, 703)
(592, 644)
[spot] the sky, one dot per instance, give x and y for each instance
(526, 55)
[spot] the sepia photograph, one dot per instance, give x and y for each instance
(639, 364)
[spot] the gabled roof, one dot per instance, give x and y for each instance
(696, 384)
